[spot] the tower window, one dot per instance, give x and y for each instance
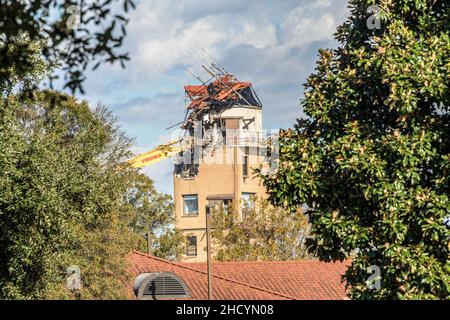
(191, 246)
(245, 166)
(190, 205)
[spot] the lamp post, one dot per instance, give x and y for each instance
(208, 250)
(149, 243)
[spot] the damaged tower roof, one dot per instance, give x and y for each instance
(222, 91)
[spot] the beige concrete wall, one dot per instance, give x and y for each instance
(245, 113)
(212, 179)
(219, 174)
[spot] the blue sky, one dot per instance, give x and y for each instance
(272, 44)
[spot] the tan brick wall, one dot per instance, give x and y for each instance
(215, 177)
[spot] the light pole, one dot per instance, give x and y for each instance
(208, 250)
(149, 243)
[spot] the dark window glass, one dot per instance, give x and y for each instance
(245, 166)
(191, 246)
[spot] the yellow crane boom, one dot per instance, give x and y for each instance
(161, 152)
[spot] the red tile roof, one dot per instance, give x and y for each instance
(262, 280)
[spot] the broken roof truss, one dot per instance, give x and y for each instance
(223, 90)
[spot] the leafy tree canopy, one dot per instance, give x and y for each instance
(64, 200)
(372, 158)
(76, 35)
(153, 217)
(263, 233)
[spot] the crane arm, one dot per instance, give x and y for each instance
(158, 154)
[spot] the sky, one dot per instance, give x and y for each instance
(272, 43)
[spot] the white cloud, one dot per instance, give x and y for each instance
(258, 36)
(314, 22)
(300, 30)
(163, 107)
(159, 54)
(162, 32)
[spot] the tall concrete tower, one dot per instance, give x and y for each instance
(224, 126)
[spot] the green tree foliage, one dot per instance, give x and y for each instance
(23, 79)
(154, 216)
(263, 233)
(51, 180)
(76, 34)
(64, 199)
(100, 252)
(372, 159)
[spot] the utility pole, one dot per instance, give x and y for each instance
(149, 243)
(208, 250)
